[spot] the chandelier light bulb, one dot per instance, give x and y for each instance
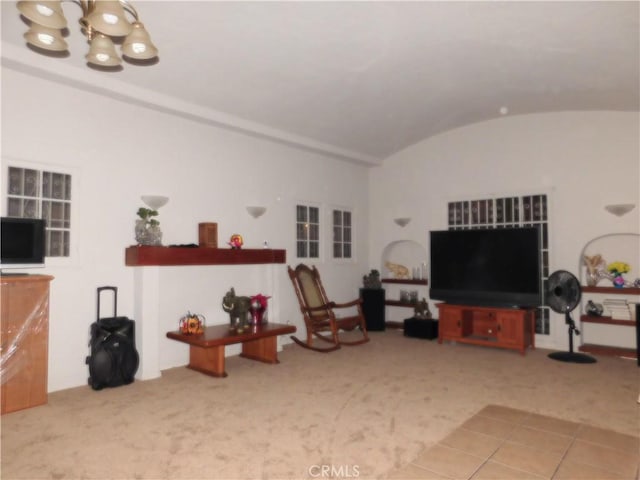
(46, 38)
(138, 44)
(102, 52)
(108, 17)
(47, 13)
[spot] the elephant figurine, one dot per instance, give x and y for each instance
(238, 310)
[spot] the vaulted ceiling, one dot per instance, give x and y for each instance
(361, 80)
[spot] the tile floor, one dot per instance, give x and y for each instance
(503, 443)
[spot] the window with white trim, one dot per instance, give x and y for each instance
(33, 193)
(342, 238)
(307, 231)
(508, 212)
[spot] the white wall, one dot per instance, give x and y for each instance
(584, 160)
(118, 152)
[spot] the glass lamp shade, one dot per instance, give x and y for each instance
(46, 38)
(102, 52)
(108, 17)
(43, 12)
(256, 211)
(138, 44)
(155, 201)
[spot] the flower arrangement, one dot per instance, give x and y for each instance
(618, 268)
(259, 301)
(258, 309)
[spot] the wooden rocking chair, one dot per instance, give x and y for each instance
(318, 312)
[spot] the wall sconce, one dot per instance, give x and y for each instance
(154, 202)
(256, 211)
(402, 221)
(619, 209)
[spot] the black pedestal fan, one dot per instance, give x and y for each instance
(563, 296)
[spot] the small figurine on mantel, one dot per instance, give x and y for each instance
(372, 280)
(421, 310)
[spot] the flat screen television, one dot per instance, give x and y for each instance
(22, 242)
(490, 267)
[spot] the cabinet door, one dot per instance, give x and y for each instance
(25, 333)
(511, 328)
(450, 322)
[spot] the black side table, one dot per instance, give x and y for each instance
(373, 308)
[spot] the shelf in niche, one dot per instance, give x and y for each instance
(614, 290)
(608, 350)
(406, 281)
(398, 303)
(606, 321)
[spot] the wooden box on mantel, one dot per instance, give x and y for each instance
(208, 235)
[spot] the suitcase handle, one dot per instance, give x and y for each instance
(115, 300)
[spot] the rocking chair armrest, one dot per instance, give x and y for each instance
(352, 303)
(327, 306)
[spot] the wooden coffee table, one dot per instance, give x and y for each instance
(206, 351)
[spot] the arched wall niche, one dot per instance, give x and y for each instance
(614, 247)
(408, 253)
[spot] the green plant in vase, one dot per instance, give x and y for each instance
(148, 228)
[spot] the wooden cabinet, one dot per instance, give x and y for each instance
(24, 317)
(488, 326)
(452, 323)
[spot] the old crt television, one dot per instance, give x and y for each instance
(22, 243)
(491, 267)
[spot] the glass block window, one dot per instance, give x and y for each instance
(307, 231)
(510, 212)
(342, 239)
(40, 194)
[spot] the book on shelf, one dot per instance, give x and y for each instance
(617, 308)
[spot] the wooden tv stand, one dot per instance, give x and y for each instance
(512, 328)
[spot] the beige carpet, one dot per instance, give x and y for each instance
(370, 410)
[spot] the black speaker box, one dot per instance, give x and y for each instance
(421, 328)
(373, 308)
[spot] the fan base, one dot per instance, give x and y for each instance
(572, 357)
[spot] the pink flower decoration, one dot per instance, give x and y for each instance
(261, 299)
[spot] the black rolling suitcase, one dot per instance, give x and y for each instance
(114, 359)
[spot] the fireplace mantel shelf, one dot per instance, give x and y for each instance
(146, 256)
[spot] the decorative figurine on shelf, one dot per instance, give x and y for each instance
(236, 241)
(258, 309)
(421, 310)
(399, 271)
(372, 280)
(596, 266)
(192, 324)
(594, 309)
(238, 310)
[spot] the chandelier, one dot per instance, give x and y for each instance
(103, 22)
